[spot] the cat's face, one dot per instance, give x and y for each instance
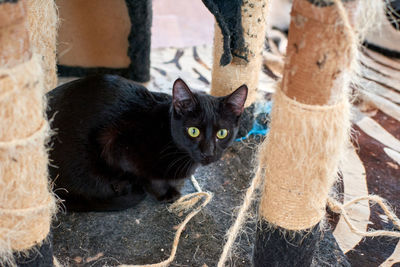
(202, 125)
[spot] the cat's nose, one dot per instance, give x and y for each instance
(208, 154)
(207, 158)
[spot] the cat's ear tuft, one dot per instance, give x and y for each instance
(183, 99)
(235, 101)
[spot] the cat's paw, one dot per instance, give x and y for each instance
(170, 196)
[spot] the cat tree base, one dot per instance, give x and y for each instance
(309, 248)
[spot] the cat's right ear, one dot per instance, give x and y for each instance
(235, 101)
(183, 99)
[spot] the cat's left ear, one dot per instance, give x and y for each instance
(182, 98)
(235, 101)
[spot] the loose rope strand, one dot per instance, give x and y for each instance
(241, 218)
(339, 208)
(195, 184)
(184, 203)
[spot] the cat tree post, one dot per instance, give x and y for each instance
(245, 65)
(309, 130)
(26, 204)
(43, 24)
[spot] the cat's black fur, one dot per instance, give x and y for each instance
(115, 139)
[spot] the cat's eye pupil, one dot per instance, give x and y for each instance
(193, 131)
(222, 133)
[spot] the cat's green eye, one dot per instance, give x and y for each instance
(193, 132)
(222, 133)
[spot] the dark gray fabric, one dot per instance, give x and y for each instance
(228, 16)
(140, 13)
(308, 248)
(8, 1)
(272, 248)
(38, 256)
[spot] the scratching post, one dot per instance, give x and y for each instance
(26, 205)
(245, 63)
(14, 41)
(43, 22)
(309, 129)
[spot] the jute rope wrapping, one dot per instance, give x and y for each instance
(226, 79)
(43, 25)
(14, 41)
(320, 54)
(300, 158)
(310, 119)
(26, 204)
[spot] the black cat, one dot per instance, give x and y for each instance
(115, 139)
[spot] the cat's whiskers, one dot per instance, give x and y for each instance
(178, 163)
(189, 166)
(179, 168)
(183, 166)
(163, 153)
(170, 144)
(177, 160)
(175, 153)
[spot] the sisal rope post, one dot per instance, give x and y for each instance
(14, 41)
(43, 26)
(310, 123)
(310, 119)
(226, 79)
(26, 204)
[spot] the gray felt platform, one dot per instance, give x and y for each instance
(144, 234)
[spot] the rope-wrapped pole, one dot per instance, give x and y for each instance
(26, 204)
(43, 26)
(14, 40)
(226, 79)
(309, 130)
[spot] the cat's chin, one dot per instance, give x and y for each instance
(205, 162)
